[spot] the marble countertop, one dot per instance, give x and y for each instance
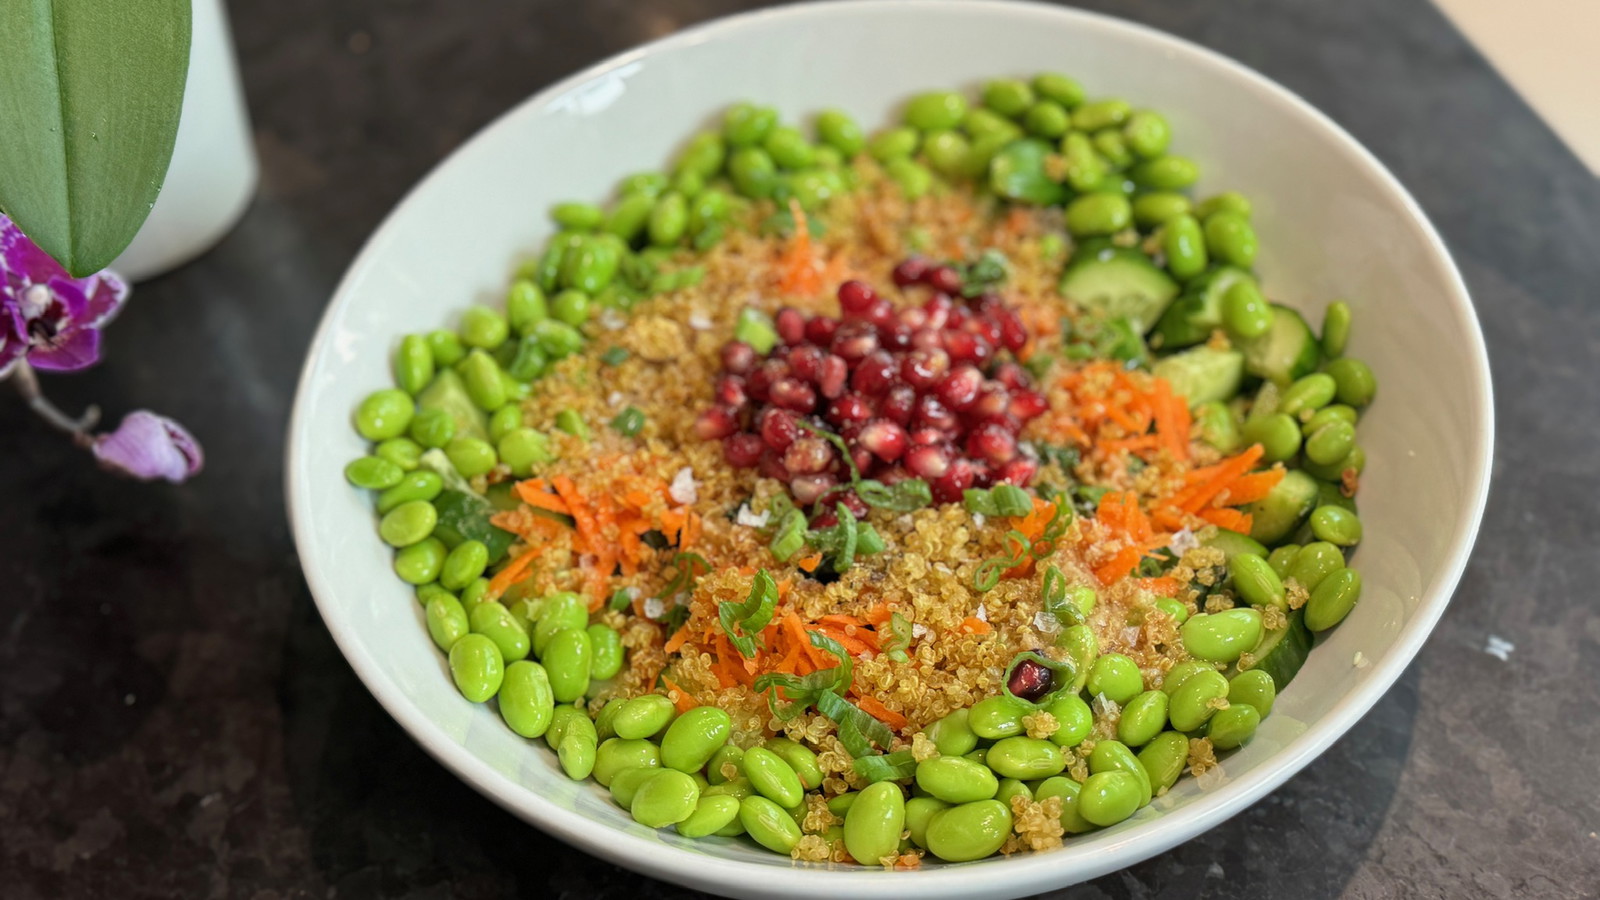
(176, 722)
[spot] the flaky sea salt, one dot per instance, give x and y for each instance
(982, 615)
(654, 608)
(683, 488)
(698, 320)
(919, 630)
(1183, 542)
(1046, 622)
(978, 519)
(753, 520)
(611, 320)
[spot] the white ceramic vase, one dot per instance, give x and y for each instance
(213, 170)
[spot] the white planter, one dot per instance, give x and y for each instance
(213, 170)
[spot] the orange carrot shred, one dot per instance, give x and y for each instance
(874, 707)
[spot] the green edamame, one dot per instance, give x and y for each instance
(483, 328)
(626, 220)
(1245, 312)
(1116, 677)
(935, 110)
(1278, 434)
(1336, 525)
(695, 737)
(432, 428)
(1068, 790)
(1330, 443)
(606, 646)
(1192, 703)
(1147, 133)
(1308, 394)
(956, 779)
(566, 660)
(1165, 173)
(969, 831)
(1180, 673)
(772, 777)
(384, 414)
(373, 473)
(446, 347)
(420, 563)
(1059, 88)
(952, 734)
(1356, 383)
(1231, 239)
(1164, 759)
(1109, 797)
(1082, 648)
(402, 451)
(408, 523)
(1143, 718)
(836, 129)
(464, 565)
(1173, 608)
(481, 376)
(495, 622)
(559, 612)
(1336, 329)
(447, 621)
(1047, 119)
(1256, 582)
(745, 124)
(524, 699)
(1253, 687)
(711, 815)
(703, 155)
(874, 821)
(1074, 720)
(1222, 636)
(919, 812)
(476, 666)
(643, 716)
(1159, 207)
(1025, 758)
(725, 764)
(521, 449)
(1232, 727)
(413, 363)
(1184, 246)
(1100, 114)
(1333, 599)
(1114, 756)
(666, 798)
(996, 717)
(471, 456)
(1097, 214)
(800, 758)
(768, 824)
(1281, 558)
(626, 783)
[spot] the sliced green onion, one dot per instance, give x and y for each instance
(896, 766)
(990, 570)
(619, 600)
(846, 557)
(857, 730)
(868, 541)
(755, 328)
(790, 536)
(979, 501)
(629, 421)
(1011, 500)
(616, 356)
(569, 421)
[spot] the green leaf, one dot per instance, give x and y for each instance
(88, 115)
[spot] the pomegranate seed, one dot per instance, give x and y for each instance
(1026, 404)
(790, 324)
(885, 439)
(924, 436)
(929, 461)
(875, 374)
(1012, 376)
(854, 340)
(927, 339)
(961, 345)
(938, 309)
(832, 377)
(825, 519)
(992, 443)
(771, 466)
(898, 403)
(738, 357)
(759, 383)
(982, 350)
(914, 318)
(948, 488)
(730, 391)
(807, 489)
(985, 303)
(1013, 334)
(958, 317)
(1018, 472)
(881, 313)
(778, 428)
(792, 393)
(1029, 680)
(862, 457)
(808, 456)
(716, 422)
(992, 402)
(893, 475)
(960, 388)
(911, 270)
(896, 337)
(982, 474)
(944, 278)
(856, 505)
(922, 369)
(988, 329)
(849, 408)
(820, 329)
(930, 413)
(855, 298)
(805, 362)
(741, 450)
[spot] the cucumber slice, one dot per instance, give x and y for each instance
(1281, 653)
(1275, 516)
(449, 393)
(1232, 543)
(465, 517)
(1198, 312)
(1287, 351)
(1118, 283)
(1202, 374)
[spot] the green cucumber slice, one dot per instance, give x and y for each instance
(1281, 653)
(1232, 543)
(449, 393)
(1118, 283)
(465, 517)
(1202, 374)
(1275, 516)
(1198, 312)
(1287, 351)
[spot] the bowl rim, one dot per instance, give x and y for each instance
(1027, 873)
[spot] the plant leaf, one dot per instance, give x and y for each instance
(88, 116)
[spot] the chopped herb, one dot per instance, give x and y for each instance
(857, 730)
(801, 691)
(987, 272)
(899, 638)
(790, 536)
(629, 421)
(619, 600)
(743, 621)
(979, 501)
(689, 566)
(755, 328)
(1011, 500)
(896, 766)
(1056, 600)
(989, 571)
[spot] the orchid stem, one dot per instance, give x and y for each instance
(28, 386)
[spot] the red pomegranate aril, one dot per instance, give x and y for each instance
(849, 408)
(892, 475)
(790, 324)
(982, 474)
(1013, 334)
(1026, 404)
(930, 413)
(988, 329)
(831, 380)
(1012, 376)
(820, 329)
(896, 337)
(992, 402)
(875, 374)
(854, 340)
(855, 297)
(730, 391)
(808, 456)
(881, 313)
(982, 350)
(924, 436)
(911, 270)
(742, 450)
(825, 519)
(863, 459)
(914, 318)
(885, 439)
(807, 489)
(738, 357)
(929, 461)
(716, 422)
(771, 466)
(792, 393)
(854, 504)
(992, 443)
(944, 278)
(938, 309)
(927, 339)
(959, 389)
(961, 345)
(1018, 472)
(779, 428)
(959, 315)
(957, 478)
(899, 403)
(805, 362)
(1029, 680)
(922, 369)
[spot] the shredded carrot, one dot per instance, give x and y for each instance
(801, 276)
(873, 707)
(975, 625)
(676, 641)
(680, 697)
(511, 574)
(810, 562)
(1165, 586)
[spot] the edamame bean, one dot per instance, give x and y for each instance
(445, 347)
(1333, 599)
(1315, 562)
(800, 758)
(735, 787)
(476, 666)
(836, 129)
(607, 652)
(1310, 393)
(1253, 687)
(592, 264)
(471, 456)
(1163, 760)
(1059, 88)
(373, 473)
(1245, 312)
(1068, 790)
(1165, 173)
(1174, 609)
(956, 779)
(1179, 673)
(504, 420)
(1184, 246)
(564, 720)
(447, 621)
(1191, 704)
(1278, 434)
(1108, 798)
(420, 562)
(703, 155)
(1074, 720)
(746, 124)
(1356, 383)
(617, 754)
(894, 143)
(1116, 677)
(413, 363)
(1221, 637)
(408, 523)
(1011, 787)
(1085, 169)
(948, 152)
(1147, 133)
(1233, 726)
(952, 735)
(570, 307)
(1282, 558)
(1008, 96)
(1227, 201)
(1100, 114)
(483, 327)
(521, 449)
(566, 660)
(1336, 525)
(560, 611)
(1231, 239)
(753, 172)
(935, 110)
(919, 812)
(494, 622)
(913, 177)
(997, 717)
(648, 183)
(725, 764)
(772, 777)
(1114, 756)
(402, 451)
(1113, 148)
(668, 220)
(577, 216)
(694, 738)
(666, 798)
(1143, 718)
(969, 831)
(711, 815)
(1095, 214)
(1082, 648)
(524, 700)
(1158, 207)
(1337, 412)
(426, 592)
(789, 148)
(626, 783)
(1330, 443)
(1336, 329)
(1256, 582)
(464, 565)
(384, 414)
(874, 821)
(1025, 758)
(626, 220)
(768, 824)
(480, 374)
(1047, 119)
(432, 427)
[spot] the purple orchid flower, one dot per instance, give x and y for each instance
(46, 316)
(147, 446)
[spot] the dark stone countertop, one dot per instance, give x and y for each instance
(176, 722)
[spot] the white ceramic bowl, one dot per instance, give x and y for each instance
(1334, 224)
